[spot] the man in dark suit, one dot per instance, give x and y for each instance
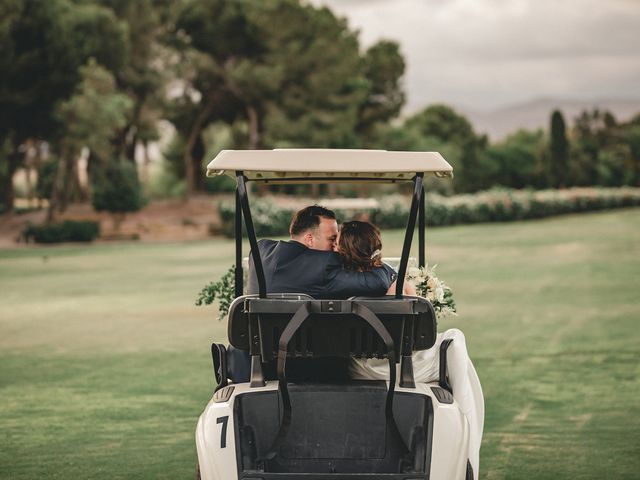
(307, 264)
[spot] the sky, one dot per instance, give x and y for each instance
(487, 54)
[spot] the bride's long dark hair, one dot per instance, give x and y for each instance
(360, 246)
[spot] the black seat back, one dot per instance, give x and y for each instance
(316, 330)
(332, 330)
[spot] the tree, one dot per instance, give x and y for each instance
(559, 151)
(91, 119)
(210, 37)
(383, 68)
(516, 162)
(46, 177)
(322, 83)
(139, 76)
(445, 126)
(42, 46)
(117, 190)
(613, 164)
(292, 73)
(593, 132)
(632, 138)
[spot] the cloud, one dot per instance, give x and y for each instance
(493, 52)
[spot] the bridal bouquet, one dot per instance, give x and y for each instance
(433, 289)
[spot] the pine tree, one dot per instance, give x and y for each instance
(559, 149)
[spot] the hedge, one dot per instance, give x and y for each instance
(67, 231)
(271, 220)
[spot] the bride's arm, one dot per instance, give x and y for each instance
(407, 289)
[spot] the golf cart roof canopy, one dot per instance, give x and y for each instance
(327, 165)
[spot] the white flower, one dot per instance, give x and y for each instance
(432, 288)
(413, 272)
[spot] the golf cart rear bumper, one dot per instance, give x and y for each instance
(220, 443)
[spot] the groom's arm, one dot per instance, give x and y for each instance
(344, 283)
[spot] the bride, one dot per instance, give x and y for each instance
(360, 247)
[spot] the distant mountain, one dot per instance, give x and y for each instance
(536, 113)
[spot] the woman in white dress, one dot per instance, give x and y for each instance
(360, 245)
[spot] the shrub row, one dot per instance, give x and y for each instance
(272, 220)
(67, 231)
(512, 205)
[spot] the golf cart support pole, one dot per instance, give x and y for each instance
(239, 275)
(257, 377)
(251, 233)
(408, 236)
(421, 231)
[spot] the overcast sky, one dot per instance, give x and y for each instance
(485, 54)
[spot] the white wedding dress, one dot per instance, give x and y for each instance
(426, 368)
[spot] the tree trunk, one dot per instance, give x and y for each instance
(37, 164)
(144, 175)
(29, 165)
(254, 128)
(87, 191)
(188, 169)
(58, 186)
(131, 148)
(125, 141)
(28, 178)
(70, 177)
(132, 130)
(196, 131)
(197, 155)
(255, 141)
(73, 184)
(7, 193)
(253, 116)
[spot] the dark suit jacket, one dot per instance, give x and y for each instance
(291, 267)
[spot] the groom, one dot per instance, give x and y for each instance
(307, 264)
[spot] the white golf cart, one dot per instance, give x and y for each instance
(296, 426)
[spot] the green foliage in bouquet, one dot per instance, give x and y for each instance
(223, 290)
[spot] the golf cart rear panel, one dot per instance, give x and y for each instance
(335, 428)
(225, 425)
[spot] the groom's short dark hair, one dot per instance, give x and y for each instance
(308, 218)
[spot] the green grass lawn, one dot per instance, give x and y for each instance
(105, 367)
